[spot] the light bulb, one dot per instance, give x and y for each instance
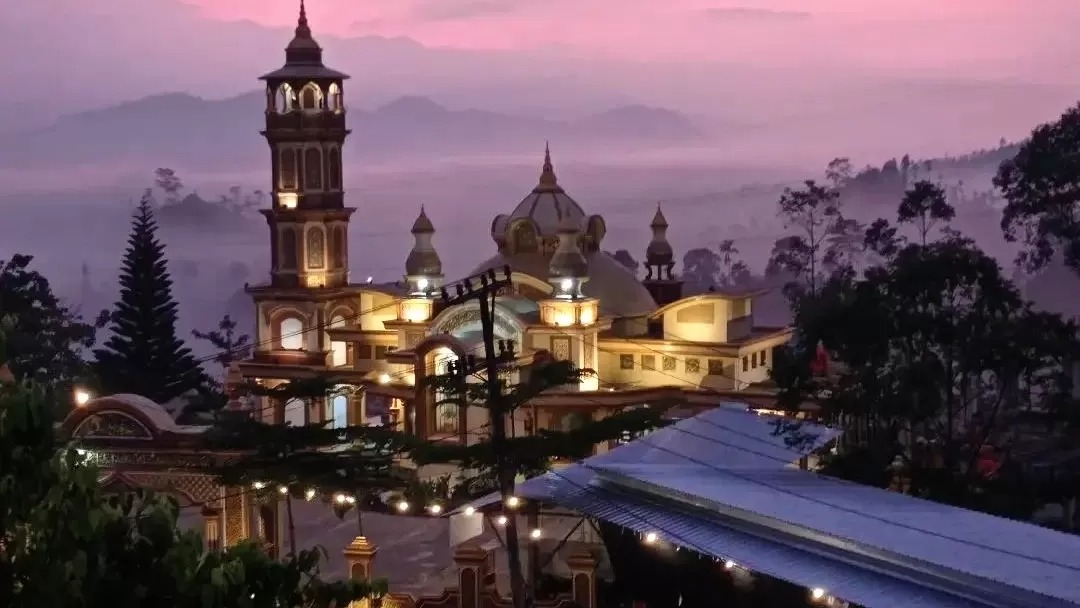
(351, 500)
(435, 509)
(258, 485)
(309, 494)
(513, 502)
(651, 538)
(402, 506)
(728, 565)
(339, 498)
(283, 490)
(566, 284)
(469, 510)
(535, 534)
(422, 284)
(384, 378)
(82, 397)
(817, 593)
(501, 520)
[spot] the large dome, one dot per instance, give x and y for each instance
(619, 291)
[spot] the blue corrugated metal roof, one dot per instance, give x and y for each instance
(728, 436)
(571, 488)
(996, 549)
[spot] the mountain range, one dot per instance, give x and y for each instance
(188, 131)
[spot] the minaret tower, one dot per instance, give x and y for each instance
(572, 316)
(423, 273)
(660, 277)
(305, 127)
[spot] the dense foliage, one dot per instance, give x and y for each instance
(143, 354)
(68, 543)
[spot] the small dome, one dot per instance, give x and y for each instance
(423, 260)
(659, 251)
(548, 204)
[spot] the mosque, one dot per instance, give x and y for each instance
(647, 343)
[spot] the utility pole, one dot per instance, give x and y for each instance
(483, 288)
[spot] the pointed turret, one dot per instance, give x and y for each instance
(659, 252)
(423, 268)
(660, 277)
(303, 49)
(548, 182)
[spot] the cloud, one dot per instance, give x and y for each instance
(455, 10)
(749, 13)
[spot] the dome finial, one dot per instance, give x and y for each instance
(422, 223)
(658, 220)
(547, 174)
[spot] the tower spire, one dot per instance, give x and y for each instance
(302, 28)
(547, 173)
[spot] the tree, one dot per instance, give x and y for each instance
(1041, 186)
(925, 206)
(937, 358)
(495, 462)
(144, 355)
(231, 345)
(168, 182)
(623, 257)
(705, 268)
(68, 542)
(47, 340)
(839, 173)
(814, 212)
(347, 467)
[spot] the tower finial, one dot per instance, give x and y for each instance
(547, 174)
(302, 29)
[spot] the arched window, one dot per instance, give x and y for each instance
(288, 248)
(292, 334)
(334, 98)
(316, 248)
(310, 98)
(338, 350)
(312, 169)
(447, 415)
(523, 237)
(287, 176)
(339, 411)
(338, 246)
(283, 100)
(295, 412)
(333, 162)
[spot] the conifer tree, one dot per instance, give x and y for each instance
(143, 355)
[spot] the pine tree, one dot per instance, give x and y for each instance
(143, 355)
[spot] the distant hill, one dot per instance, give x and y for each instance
(191, 132)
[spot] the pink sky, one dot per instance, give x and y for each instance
(913, 32)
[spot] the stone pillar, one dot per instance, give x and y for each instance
(360, 557)
(470, 560)
(583, 578)
(212, 528)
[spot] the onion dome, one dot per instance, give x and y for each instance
(423, 260)
(659, 251)
(568, 261)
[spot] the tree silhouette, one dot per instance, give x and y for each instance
(231, 345)
(143, 355)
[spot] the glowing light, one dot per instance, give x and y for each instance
(728, 565)
(351, 500)
(501, 520)
(587, 316)
(817, 594)
(258, 485)
(339, 498)
(422, 284)
(651, 538)
(469, 510)
(310, 494)
(563, 319)
(82, 397)
(513, 502)
(316, 280)
(566, 284)
(283, 490)
(384, 378)
(402, 506)
(535, 534)
(435, 509)
(370, 280)
(287, 200)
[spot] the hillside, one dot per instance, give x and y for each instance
(183, 130)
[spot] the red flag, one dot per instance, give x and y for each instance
(820, 365)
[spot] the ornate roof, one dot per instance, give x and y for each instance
(423, 260)
(659, 250)
(303, 56)
(548, 205)
(619, 291)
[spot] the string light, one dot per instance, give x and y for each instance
(351, 500)
(435, 509)
(310, 494)
(651, 538)
(258, 485)
(513, 502)
(501, 520)
(402, 506)
(469, 510)
(339, 498)
(817, 594)
(283, 490)
(728, 565)
(535, 534)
